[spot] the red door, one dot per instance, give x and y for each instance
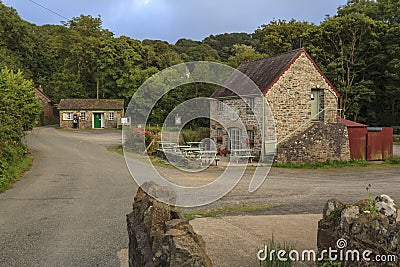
(374, 144)
(358, 143)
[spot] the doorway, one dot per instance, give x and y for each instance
(234, 141)
(97, 120)
(317, 104)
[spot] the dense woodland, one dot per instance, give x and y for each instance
(358, 49)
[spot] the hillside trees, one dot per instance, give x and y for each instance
(358, 49)
(346, 46)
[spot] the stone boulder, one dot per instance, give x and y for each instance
(159, 235)
(356, 227)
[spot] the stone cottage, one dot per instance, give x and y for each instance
(304, 104)
(90, 113)
(49, 113)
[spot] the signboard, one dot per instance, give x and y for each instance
(178, 120)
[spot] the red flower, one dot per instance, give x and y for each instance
(141, 132)
(224, 151)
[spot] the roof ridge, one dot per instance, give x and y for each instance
(270, 57)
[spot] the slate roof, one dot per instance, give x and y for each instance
(266, 72)
(91, 104)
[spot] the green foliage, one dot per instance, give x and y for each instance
(326, 165)
(195, 135)
(280, 36)
(358, 49)
(19, 111)
(393, 161)
(275, 246)
(329, 263)
(371, 203)
(13, 172)
(239, 208)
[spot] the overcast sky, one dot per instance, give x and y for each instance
(171, 20)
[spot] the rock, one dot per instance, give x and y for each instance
(332, 206)
(362, 231)
(159, 235)
(387, 207)
(347, 217)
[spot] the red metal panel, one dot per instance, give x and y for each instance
(374, 146)
(358, 142)
(387, 143)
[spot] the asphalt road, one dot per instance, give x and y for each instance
(69, 210)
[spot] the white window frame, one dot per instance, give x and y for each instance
(68, 116)
(111, 116)
(83, 116)
(220, 105)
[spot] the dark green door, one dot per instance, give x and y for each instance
(97, 120)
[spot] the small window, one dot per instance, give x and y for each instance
(68, 116)
(220, 105)
(250, 136)
(111, 117)
(83, 116)
(219, 136)
(250, 104)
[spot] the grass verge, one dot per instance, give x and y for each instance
(339, 164)
(15, 172)
(227, 210)
(272, 247)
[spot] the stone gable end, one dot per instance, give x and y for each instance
(290, 97)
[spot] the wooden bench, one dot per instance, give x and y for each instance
(237, 154)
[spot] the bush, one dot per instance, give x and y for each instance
(19, 111)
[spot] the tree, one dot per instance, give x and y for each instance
(280, 36)
(195, 51)
(345, 47)
(223, 43)
(243, 53)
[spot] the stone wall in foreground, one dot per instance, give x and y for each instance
(356, 227)
(158, 234)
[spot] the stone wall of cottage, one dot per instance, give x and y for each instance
(319, 143)
(290, 103)
(49, 112)
(87, 122)
(290, 98)
(248, 119)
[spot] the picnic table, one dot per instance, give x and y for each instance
(238, 154)
(191, 152)
(208, 156)
(168, 146)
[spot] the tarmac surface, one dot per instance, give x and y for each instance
(69, 209)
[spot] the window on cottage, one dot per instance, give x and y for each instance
(220, 105)
(83, 116)
(68, 116)
(250, 137)
(111, 116)
(219, 135)
(250, 104)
